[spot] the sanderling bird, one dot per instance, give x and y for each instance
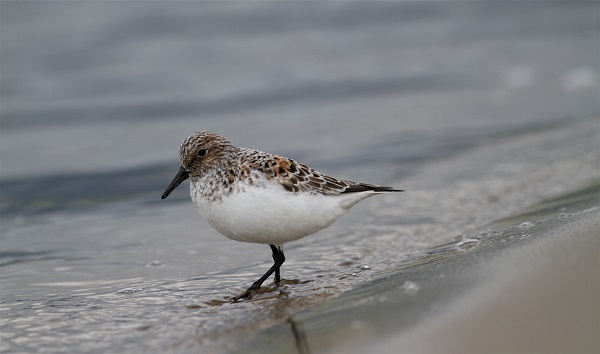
(254, 196)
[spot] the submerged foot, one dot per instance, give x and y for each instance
(248, 294)
(253, 290)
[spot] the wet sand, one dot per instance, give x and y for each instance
(542, 298)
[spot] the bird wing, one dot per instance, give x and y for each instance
(297, 177)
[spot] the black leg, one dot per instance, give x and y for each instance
(277, 254)
(278, 259)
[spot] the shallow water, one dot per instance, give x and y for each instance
(477, 110)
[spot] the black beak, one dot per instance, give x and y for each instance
(181, 176)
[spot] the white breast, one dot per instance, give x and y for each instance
(270, 214)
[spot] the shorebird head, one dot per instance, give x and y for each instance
(199, 153)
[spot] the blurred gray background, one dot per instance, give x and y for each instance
(476, 108)
(95, 87)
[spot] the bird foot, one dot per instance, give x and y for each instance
(248, 294)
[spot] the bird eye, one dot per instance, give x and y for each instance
(202, 152)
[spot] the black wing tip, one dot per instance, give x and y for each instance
(364, 187)
(386, 189)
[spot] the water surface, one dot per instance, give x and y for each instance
(477, 110)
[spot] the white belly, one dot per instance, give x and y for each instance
(272, 215)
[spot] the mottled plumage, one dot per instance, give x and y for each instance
(254, 196)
